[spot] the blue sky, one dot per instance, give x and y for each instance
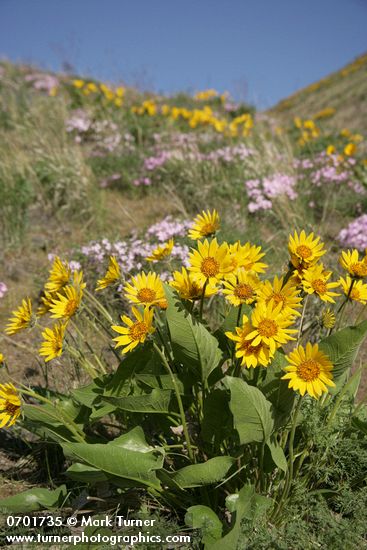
(261, 50)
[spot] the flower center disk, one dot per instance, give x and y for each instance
(138, 330)
(303, 251)
(146, 295)
(308, 370)
(243, 291)
(210, 267)
(267, 327)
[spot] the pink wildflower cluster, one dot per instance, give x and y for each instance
(261, 191)
(131, 253)
(42, 82)
(355, 235)
(3, 289)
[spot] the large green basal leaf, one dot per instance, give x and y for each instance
(158, 401)
(277, 391)
(128, 456)
(342, 347)
(44, 420)
(34, 500)
(192, 343)
(252, 412)
(204, 518)
(205, 473)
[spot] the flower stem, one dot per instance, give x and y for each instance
(179, 400)
(202, 299)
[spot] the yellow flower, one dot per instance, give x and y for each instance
(315, 281)
(65, 306)
(247, 256)
(78, 83)
(328, 318)
(330, 150)
(10, 405)
(54, 337)
(92, 87)
(46, 302)
(22, 319)
(59, 276)
(189, 289)
(251, 355)
(350, 261)
(210, 263)
(136, 331)
(112, 275)
(2, 358)
(161, 252)
(242, 288)
(309, 370)
(270, 326)
(205, 224)
(350, 149)
(358, 292)
(305, 250)
(146, 289)
(118, 102)
(284, 294)
(120, 91)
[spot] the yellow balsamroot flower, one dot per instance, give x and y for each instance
(53, 341)
(22, 319)
(247, 256)
(241, 289)
(189, 289)
(315, 281)
(358, 292)
(59, 275)
(161, 252)
(350, 261)
(330, 150)
(305, 250)
(78, 83)
(284, 294)
(328, 318)
(2, 359)
(67, 304)
(309, 371)
(270, 326)
(46, 302)
(136, 331)
(210, 263)
(250, 355)
(350, 149)
(112, 275)
(92, 87)
(145, 289)
(205, 224)
(10, 405)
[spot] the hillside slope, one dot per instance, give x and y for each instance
(344, 91)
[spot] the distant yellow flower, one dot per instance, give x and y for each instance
(305, 250)
(78, 83)
(118, 102)
(270, 326)
(328, 318)
(120, 91)
(350, 149)
(59, 276)
(113, 274)
(251, 355)
(23, 318)
(330, 150)
(297, 122)
(345, 133)
(92, 87)
(358, 292)
(136, 331)
(67, 304)
(242, 288)
(247, 256)
(10, 405)
(2, 359)
(309, 370)
(188, 289)
(53, 341)
(285, 294)
(205, 224)
(145, 289)
(210, 263)
(315, 281)
(161, 252)
(350, 261)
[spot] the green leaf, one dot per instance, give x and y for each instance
(158, 401)
(217, 420)
(128, 456)
(34, 500)
(342, 347)
(277, 391)
(44, 420)
(252, 413)
(278, 456)
(197, 475)
(204, 518)
(84, 473)
(192, 343)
